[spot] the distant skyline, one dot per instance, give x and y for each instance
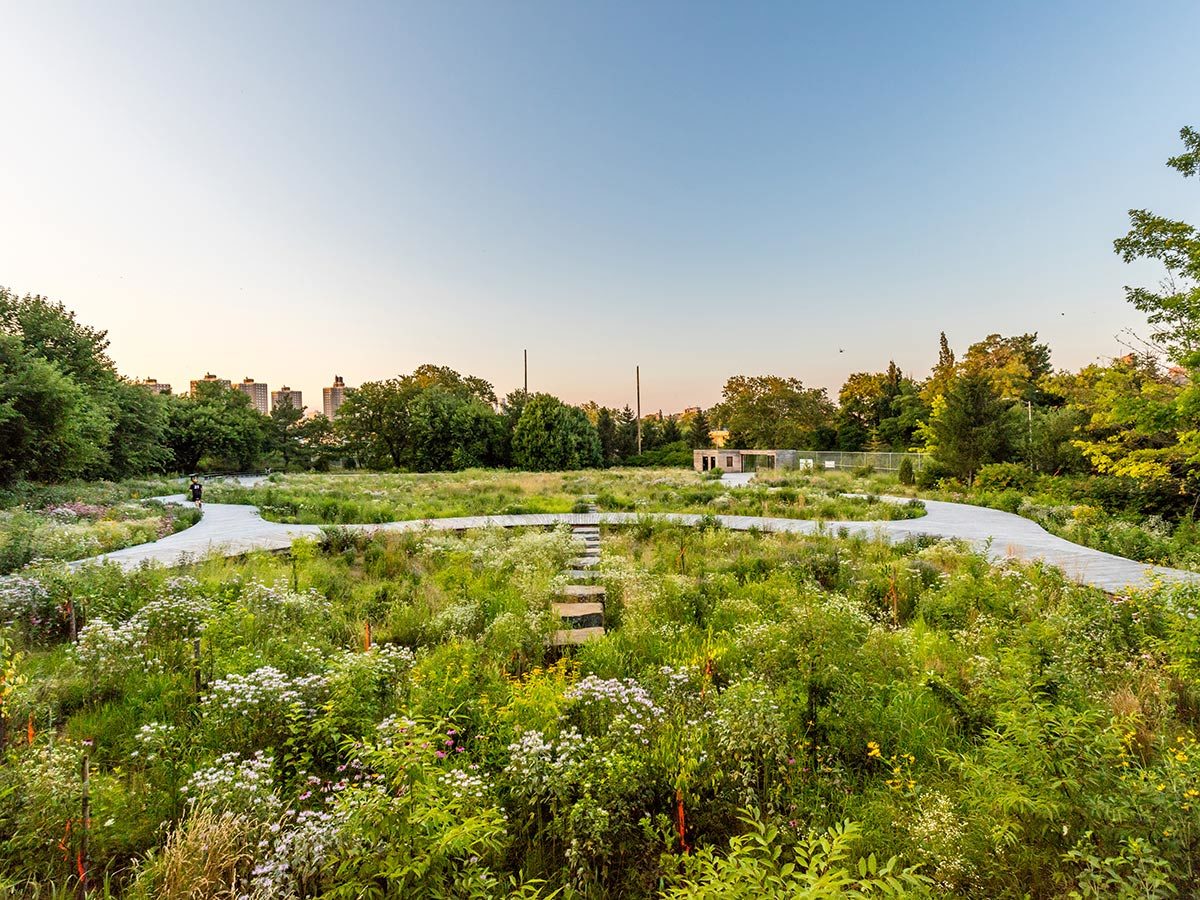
(292, 190)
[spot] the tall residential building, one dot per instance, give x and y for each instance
(257, 392)
(286, 396)
(210, 378)
(155, 386)
(333, 396)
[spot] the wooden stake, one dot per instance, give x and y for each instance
(85, 818)
(197, 679)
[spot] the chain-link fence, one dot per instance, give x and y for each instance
(846, 459)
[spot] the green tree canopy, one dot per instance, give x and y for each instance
(1174, 308)
(769, 411)
(972, 426)
(698, 430)
(116, 428)
(1015, 364)
(216, 429)
(432, 420)
(552, 435)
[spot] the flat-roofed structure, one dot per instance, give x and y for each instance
(155, 386)
(332, 396)
(728, 460)
(257, 392)
(210, 378)
(285, 396)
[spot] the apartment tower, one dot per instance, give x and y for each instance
(258, 394)
(333, 396)
(210, 378)
(285, 396)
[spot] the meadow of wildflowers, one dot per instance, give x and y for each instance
(51, 524)
(768, 716)
(346, 499)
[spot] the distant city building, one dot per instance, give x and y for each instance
(155, 386)
(257, 392)
(285, 396)
(210, 378)
(333, 396)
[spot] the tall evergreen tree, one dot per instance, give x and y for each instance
(606, 431)
(974, 427)
(943, 372)
(626, 433)
(698, 432)
(670, 431)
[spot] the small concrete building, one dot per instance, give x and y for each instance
(742, 460)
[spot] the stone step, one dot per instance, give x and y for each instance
(577, 610)
(585, 562)
(582, 574)
(569, 636)
(582, 591)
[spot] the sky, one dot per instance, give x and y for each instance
(292, 190)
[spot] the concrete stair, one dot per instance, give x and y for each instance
(581, 606)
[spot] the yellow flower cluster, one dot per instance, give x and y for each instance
(901, 767)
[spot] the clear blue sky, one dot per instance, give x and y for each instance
(291, 190)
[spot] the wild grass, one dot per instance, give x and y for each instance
(359, 498)
(1010, 733)
(74, 529)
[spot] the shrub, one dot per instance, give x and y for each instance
(1006, 476)
(905, 474)
(816, 865)
(931, 474)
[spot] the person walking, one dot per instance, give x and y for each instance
(197, 492)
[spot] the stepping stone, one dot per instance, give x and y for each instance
(584, 562)
(579, 611)
(569, 636)
(582, 574)
(580, 592)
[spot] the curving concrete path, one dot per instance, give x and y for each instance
(231, 530)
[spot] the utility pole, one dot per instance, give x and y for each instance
(638, 371)
(526, 352)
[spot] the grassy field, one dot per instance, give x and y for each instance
(362, 498)
(983, 730)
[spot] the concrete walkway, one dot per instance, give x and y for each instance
(736, 479)
(233, 529)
